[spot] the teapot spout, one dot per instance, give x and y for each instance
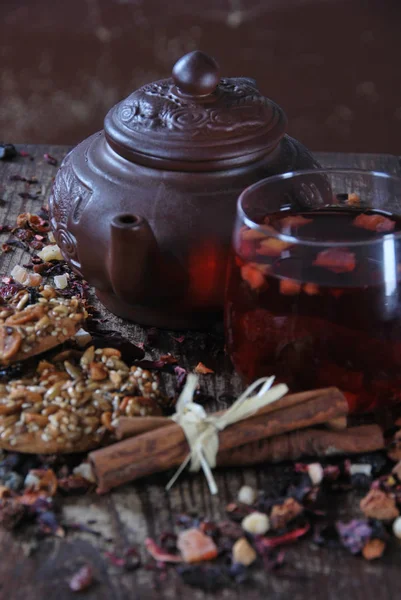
(134, 258)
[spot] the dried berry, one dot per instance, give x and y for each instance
(8, 151)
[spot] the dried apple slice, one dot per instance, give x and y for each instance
(272, 247)
(37, 328)
(195, 546)
(377, 223)
(353, 200)
(338, 260)
(252, 234)
(294, 221)
(253, 276)
(289, 287)
(311, 289)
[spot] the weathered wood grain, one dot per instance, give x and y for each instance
(129, 514)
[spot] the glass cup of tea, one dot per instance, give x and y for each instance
(313, 290)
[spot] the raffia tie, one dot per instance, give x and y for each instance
(202, 430)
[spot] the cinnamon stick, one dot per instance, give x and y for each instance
(162, 449)
(131, 426)
(306, 442)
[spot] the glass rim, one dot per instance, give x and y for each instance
(299, 240)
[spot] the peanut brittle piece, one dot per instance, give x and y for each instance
(64, 408)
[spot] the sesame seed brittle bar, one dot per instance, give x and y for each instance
(72, 402)
(27, 330)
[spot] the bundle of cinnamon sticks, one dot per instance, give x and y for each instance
(311, 423)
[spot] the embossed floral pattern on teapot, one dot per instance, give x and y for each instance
(144, 209)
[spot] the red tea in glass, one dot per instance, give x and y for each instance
(314, 285)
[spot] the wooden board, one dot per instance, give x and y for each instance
(131, 513)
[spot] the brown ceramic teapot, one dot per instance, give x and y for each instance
(145, 208)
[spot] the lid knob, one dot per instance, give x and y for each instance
(196, 74)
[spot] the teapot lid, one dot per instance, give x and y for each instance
(195, 117)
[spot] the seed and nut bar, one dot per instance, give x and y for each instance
(30, 329)
(72, 402)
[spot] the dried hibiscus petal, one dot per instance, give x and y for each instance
(338, 260)
(280, 540)
(82, 579)
(195, 546)
(159, 554)
(354, 535)
(50, 159)
(377, 223)
(180, 339)
(181, 375)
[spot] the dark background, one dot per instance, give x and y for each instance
(334, 66)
